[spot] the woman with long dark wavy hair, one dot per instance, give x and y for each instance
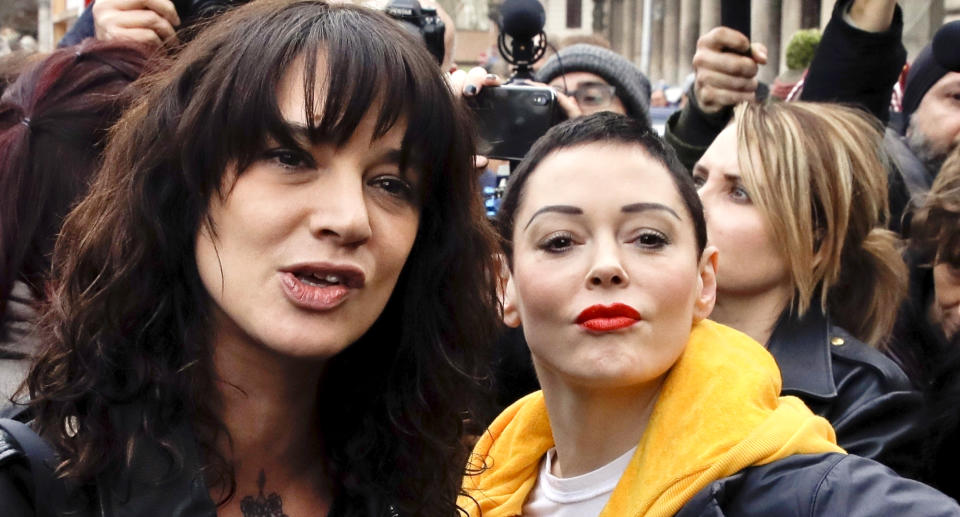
(276, 297)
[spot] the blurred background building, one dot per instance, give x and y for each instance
(667, 49)
(664, 51)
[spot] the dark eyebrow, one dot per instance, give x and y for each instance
(562, 209)
(643, 207)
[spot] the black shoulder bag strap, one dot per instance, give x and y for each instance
(48, 492)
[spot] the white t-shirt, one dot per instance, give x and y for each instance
(580, 496)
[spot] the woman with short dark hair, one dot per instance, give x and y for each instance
(647, 407)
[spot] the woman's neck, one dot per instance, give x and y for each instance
(756, 315)
(268, 404)
(593, 427)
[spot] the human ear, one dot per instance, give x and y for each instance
(706, 284)
(508, 298)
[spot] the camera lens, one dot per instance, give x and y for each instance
(540, 99)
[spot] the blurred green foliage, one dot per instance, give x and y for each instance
(802, 47)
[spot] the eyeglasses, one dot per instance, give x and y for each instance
(592, 95)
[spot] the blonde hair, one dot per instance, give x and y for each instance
(818, 173)
(934, 228)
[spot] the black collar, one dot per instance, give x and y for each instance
(801, 348)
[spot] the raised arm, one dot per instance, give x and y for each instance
(860, 56)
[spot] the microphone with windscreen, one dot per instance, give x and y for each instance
(512, 116)
(522, 21)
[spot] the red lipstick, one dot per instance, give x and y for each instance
(607, 318)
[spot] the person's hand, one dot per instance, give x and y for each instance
(566, 102)
(725, 77)
(145, 21)
(469, 84)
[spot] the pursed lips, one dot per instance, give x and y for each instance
(607, 318)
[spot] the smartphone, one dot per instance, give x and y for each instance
(513, 116)
(735, 14)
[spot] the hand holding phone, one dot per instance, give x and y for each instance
(513, 116)
(726, 66)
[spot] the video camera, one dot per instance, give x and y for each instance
(513, 116)
(421, 21)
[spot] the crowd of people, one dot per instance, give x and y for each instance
(246, 270)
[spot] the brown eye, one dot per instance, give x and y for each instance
(394, 186)
(651, 239)
(287, 158)
(557, 243)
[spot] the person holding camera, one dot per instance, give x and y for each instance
(597, 79)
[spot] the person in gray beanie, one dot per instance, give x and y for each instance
(599, 80)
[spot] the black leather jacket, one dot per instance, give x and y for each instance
(152, 487)
(810, 485)
(870, 402)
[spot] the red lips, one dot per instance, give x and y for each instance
(606, 318)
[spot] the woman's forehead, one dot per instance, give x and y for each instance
(601, 174)
(292, 90)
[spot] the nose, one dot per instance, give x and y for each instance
(607, 267)
(340, 209)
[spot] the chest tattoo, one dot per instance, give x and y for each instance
(262, 506)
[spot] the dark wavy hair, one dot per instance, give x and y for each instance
(53, 123)
(131, 321)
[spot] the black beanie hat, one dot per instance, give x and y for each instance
(633, 88)
(942, 55)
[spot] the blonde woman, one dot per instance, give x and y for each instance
(796, 202)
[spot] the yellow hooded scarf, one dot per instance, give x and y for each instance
(718, 412)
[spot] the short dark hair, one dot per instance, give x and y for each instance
(600, 127)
